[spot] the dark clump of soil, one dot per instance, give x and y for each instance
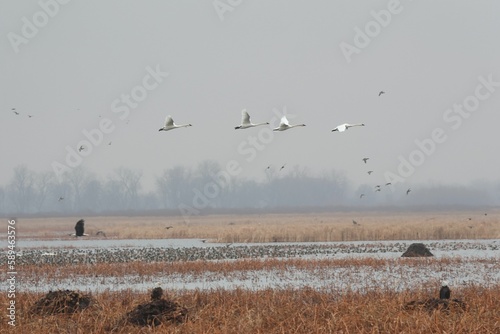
(157, 311)
(62, 301)
(437, 304)
(417, 250)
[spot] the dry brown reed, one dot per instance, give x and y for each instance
(280, 227)
(196, 268)
(276, 311)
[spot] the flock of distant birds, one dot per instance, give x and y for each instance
(444, 300)
(283, 126)
(443, 303)
(247, 123)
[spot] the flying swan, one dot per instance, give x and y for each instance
(170, 125)
(345, 126)
(245, 121)
(284, 125)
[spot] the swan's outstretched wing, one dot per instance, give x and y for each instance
(169, 121)
(245, 117)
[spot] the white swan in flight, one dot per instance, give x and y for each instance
(345, 126)
(170, 125)
(245, 121)
(284, 125)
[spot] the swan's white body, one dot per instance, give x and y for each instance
(284, 125)
(170, 125)
(245, 121)
(345, 126)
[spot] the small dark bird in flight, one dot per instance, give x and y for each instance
(378, 189)
(30, 116)
(365, 159)
(381, 92)
(168, 227)
(361, 196)
(100, 233)
(81, 148)
(282, 167)
(408, 191)
(14, 111)
(354, 222)
(377, 186)
(60, 198)
(268, 167)
(369, 172)
(388, 184)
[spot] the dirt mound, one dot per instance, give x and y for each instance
(62, 301)
(417, 250)
(157, 311)
(437, 304)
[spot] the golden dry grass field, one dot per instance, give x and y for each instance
(310, 227)
(280, 310)
(274, 311)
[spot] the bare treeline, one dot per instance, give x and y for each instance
(209, 186)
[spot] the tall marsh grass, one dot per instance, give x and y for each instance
(275, 311)
(280, 227)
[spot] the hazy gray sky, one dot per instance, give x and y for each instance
(70, 64)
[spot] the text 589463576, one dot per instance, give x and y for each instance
(11, 271)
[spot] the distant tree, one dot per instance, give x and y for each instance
(60, 196)
(77, 178)
(21, 189)
(299, 172)
(150, 201)
(113, 195)
(174, 186)
(130, 182)
(247, 194)
(92, 199)
(43, 183)
(211, 181)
